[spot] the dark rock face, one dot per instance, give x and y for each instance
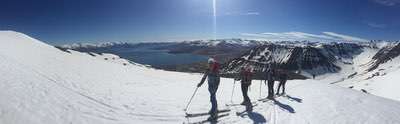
(384, 55)
(315, 59)
(342, 50)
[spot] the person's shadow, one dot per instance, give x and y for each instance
(285, 107)
(257, 118)
(214, 122)
(291, 98)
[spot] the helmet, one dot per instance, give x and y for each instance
(211, 60)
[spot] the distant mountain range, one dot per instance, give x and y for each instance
(224, 48)
(311, 58)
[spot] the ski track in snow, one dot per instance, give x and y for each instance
(43, 85)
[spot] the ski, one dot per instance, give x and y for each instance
(238, 104)
(248, 109)
(281, 95)
(210, 119)
(188, 115)
(267, 99)
(241, 113)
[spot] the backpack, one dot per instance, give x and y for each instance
(215, 68)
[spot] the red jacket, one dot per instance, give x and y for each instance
(214, 69)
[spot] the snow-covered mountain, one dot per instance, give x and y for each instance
(375, 71)
(366, 67)
(40, 84)
(312, 58)
(94, 45)
(384, 55)
(203, 43)
(305, 58)
(221, 48)
(225, 42)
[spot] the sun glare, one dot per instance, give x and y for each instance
(215, 18)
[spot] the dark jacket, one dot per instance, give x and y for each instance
(270, 74)
(246, 76)
(283, 76)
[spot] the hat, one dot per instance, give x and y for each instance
(211, 60)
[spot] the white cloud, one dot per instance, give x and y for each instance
(314, 36)
(300, 36)
(376, 25)
(252, 13)
(387, 2)
(345, 37)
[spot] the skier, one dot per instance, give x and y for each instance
(283, 76)
(213, 83)
(246, 78)
(270, 73)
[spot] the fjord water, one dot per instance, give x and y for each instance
(156, 58)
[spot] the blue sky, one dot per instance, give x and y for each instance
(68, 21)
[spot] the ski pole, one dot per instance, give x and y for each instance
(260, 89)
(233, 90)
(249, 88)
(194, 93)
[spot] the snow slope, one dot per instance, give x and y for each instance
(365, 67)
(382, 81)
(40, 84)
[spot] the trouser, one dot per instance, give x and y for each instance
(245, 89)
(281, 84)
(270, 88)
(213, 83)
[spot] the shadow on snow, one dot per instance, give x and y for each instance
(285, 107)
(257, 118)
(291, 98)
